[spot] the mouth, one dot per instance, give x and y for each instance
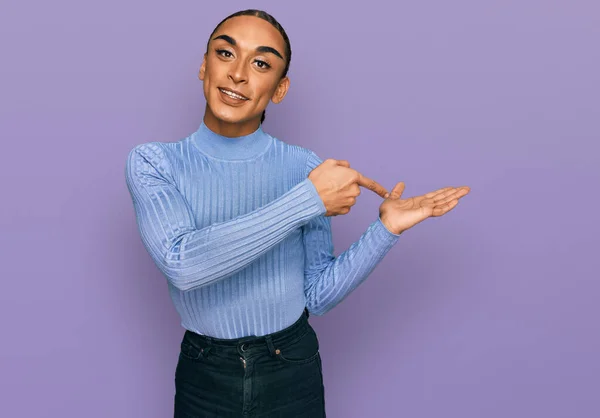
(233, 94)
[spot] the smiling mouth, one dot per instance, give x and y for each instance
(232, 94)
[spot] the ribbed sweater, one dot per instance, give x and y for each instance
(240, 233)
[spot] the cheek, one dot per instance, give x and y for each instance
(266, 89)
(209, 82)
(212, 69)
(206, 88)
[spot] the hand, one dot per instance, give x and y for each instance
(338, 185)
(398, 215)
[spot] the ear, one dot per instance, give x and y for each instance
(281, 90)
(202, 68)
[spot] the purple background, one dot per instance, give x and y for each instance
(490, 311)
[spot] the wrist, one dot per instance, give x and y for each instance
(387, 224)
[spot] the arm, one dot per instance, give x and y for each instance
(191, 257)
(327, 279)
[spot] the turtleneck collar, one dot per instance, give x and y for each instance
(227, 148)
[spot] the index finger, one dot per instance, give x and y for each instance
(372, 185)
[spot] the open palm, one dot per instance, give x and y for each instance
(401, 214)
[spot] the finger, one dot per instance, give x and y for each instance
(443, 196)
(454, 197)
(371, 185)
(445, 208)
(343, 163)
(397, 190)
(457, 194)
(431, 194)
(441, 193)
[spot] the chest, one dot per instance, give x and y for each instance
(217, 191)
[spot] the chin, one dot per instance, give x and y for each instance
(228, 114)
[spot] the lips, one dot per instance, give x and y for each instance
(233, 94)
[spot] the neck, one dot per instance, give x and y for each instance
(229, 129)
(231, 148)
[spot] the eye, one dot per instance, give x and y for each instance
(224, 53)
(262, 64)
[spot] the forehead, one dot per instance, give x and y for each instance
(250, 32)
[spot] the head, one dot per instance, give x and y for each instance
(244, 68)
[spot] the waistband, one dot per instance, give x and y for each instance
(248, 343)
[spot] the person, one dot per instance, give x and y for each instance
(239, 223)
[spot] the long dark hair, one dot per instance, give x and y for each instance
(265, 16)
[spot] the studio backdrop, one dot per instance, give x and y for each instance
(490, 311)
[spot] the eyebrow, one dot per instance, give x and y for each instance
(263, 49)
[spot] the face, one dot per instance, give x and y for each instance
(242, 72)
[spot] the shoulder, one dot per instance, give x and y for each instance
(151, 159)
(149, 152)
(302, 155)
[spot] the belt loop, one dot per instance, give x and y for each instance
(209, 344)
(270, 345)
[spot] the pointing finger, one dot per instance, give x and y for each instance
(372, 185)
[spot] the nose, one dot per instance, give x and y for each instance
(238, 71)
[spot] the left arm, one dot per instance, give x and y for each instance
(327, 279)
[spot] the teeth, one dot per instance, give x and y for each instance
(235, 96)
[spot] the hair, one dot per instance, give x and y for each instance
(265, 16)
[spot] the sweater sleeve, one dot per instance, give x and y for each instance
(327, 279)
(190, 257)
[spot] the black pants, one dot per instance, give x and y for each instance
(277, 375)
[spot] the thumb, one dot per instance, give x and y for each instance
(397, 190)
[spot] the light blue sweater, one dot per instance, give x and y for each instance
(239, 232)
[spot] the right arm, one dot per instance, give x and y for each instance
(191, 257)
